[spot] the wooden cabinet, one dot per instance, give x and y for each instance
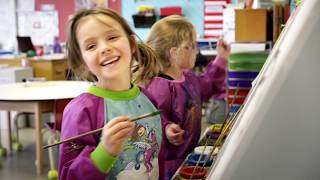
(251, 25)
(49, 68)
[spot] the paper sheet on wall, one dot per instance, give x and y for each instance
(25, 5)
(8, 27)
(229, 24)
(42, 26)
(90, 4)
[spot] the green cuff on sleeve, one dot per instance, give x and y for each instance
(102, 159)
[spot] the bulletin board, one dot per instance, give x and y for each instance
(42, 26)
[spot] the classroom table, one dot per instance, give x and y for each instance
(37, 98)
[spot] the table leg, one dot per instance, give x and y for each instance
(39, 153)
(9, 131)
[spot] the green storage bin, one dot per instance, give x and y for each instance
(252, 61)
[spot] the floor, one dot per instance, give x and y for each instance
(21, 165)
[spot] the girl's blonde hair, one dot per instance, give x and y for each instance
(169, 32)
(144, 64)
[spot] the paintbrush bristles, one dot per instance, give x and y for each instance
(100, 129)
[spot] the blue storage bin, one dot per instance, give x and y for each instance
(239, 83)
(242, 74)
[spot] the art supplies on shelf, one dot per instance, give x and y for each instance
(198, 164)
(145, 17)
(243, 68)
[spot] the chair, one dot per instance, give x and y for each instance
(54, 130)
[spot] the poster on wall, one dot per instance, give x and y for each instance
(42, 26)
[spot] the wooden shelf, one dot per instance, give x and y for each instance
(49, 67)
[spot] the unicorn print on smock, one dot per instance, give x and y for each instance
(140, 155)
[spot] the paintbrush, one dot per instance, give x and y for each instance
(100, 129)
(228, 125)
(200, 157)
(223, 129)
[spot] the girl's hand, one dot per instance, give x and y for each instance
(223, 49)
(175, 134)
(114, 134)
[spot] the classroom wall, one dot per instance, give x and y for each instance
(192, 9)
(65, 9)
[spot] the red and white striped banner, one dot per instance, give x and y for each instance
(213, 18)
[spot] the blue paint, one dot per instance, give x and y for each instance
(194, 158)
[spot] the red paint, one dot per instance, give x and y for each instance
(65, 9)
(199, 172)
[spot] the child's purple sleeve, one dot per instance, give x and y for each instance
(212, 80)
(159, 93)
(81, 115)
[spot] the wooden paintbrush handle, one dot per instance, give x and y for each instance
(100, 129)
